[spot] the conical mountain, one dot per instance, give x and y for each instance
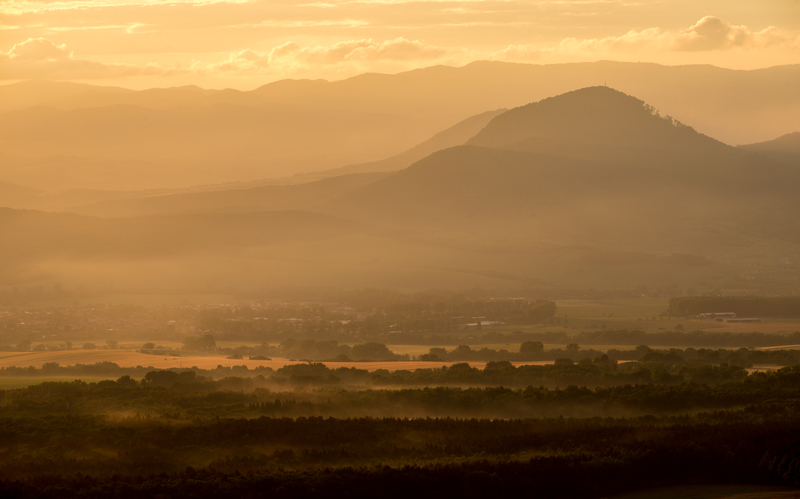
(594, 122)
(594, 167)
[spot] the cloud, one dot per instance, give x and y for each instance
(708, 34)
(399, 49)
(246, 61)
(42, 58)
(291, 56)
(39, 49)
(519, 53)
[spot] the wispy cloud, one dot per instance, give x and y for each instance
(708, 34)
(41, 58)
(292, 56)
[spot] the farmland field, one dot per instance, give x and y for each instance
(132, 359)
(715, 492)
(13, 382)
(636, 307)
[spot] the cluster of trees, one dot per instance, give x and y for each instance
(328, 350)
(332, 350)
(570, 366)
(652, 389)
(113, 370)
(564, 386)
(631, 337)
(680, 338)
(26, 345)
(94, 456)
(532, 351)
(743, 306)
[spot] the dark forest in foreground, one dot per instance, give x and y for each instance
(226, 443)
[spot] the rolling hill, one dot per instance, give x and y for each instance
(785, 148)
(280, 193)
(129, 147)
(280, 197)
(59, 136)
(591, 188)
(456, 135)
(594, 167)
(27, 235)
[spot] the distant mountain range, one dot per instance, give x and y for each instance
(66, 135)
(589, 188)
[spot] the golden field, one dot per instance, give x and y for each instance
(125, 358)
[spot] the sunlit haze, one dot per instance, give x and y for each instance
(244, 44)
(400, 249)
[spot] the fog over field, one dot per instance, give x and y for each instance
(399, 249)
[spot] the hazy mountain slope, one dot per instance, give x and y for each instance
(593, 115)
(700, 95)
(516, 212)
(287, 197)
(567, 200)
(16, 195)
(58, 173)
(248, 252)
(29, 93)
(61, 175)
(68, 96)
(767, 101)
(613, 173)
(178, 137)
(599, 123)
(27, 235)
(452, 136)
(456, 135)
(187, 146)
(785, 148)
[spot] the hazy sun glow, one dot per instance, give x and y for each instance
(243, 44)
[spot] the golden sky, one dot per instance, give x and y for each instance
(247, 43)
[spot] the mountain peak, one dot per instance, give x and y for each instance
(592, 116)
